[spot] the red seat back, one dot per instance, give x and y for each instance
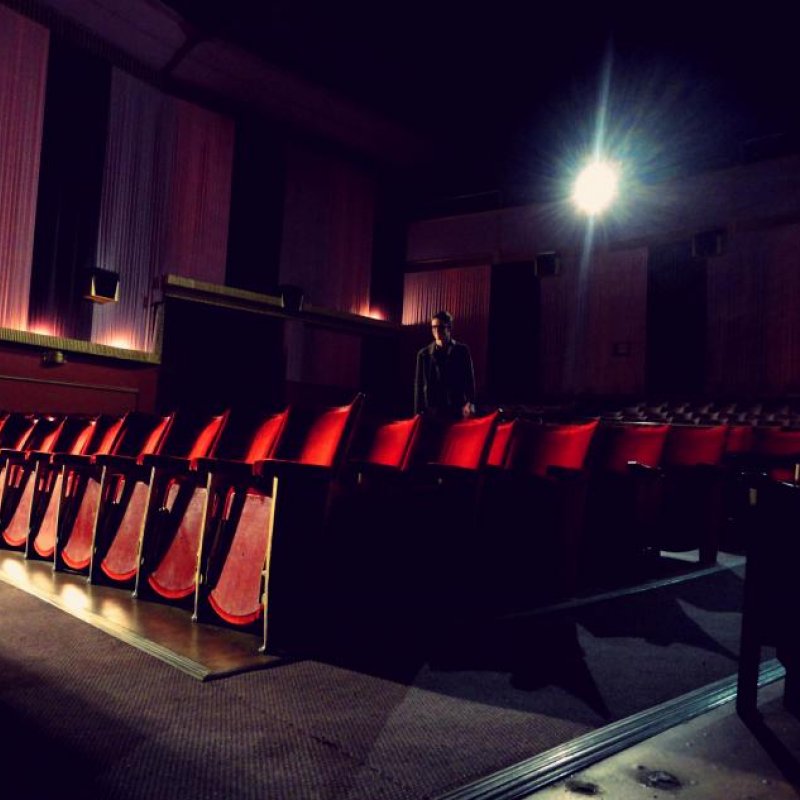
(208, 437)
(465, 443)
(324, 439)
(112, 437)
(741, 439)
(498, 450)
(535, 447)
(776, 441)
(155, 439)
(265, 440)
(642, 443)
(81, 442)
(393, 443)
(689, 445)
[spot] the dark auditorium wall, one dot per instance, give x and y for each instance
(594, 314)
(303, 210)
(84, 384)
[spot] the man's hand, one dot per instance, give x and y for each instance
(468, 410)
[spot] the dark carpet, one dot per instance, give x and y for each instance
(392, 713)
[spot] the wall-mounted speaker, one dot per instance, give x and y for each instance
(708, 243)
(548, 264)
(102, 286)
(291, 298)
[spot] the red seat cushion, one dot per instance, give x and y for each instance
(266, 437)
(498, 451)
(536, 447)
(323, 439)
(465, 443)
(689, 445)
(642, 443)
(392, 444)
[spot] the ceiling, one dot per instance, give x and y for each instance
(510, 93)
(510, 90)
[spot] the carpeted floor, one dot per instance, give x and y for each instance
(383, 718)
(379, 719)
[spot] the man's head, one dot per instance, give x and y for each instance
(442, 327)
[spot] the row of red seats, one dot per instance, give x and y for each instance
(197, 511)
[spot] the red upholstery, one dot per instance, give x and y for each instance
(208, 437)
(111, 437)
(156, 438)
(393, 443)
(175, 575)
(465, 443)
(43, 512)
(501, 440)
(689, 445)
(80, 500)
(120, 562)
(22, 436)
(18, 488)
(741, 439)
(777, 443)
(535, 448)
(236, 598)
(265, 441)
(83, 439)
(236, 594)
(642, 443)
(323, 439)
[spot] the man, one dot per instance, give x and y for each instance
(444, 385)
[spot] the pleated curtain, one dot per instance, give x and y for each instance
(465, 293)
(165, 204)
(23, 70)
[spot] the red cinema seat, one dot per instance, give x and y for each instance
(771, 593)
(776, 452)
(261, 537)
(79, 435)
(173, 528)
(624, 488)
(80, 494)
(690, 510)
(121, 509)
(533, 510)
(134, 488)
(172, 525)
(18, 483)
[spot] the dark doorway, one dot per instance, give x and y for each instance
(513, 352)
(676, 321)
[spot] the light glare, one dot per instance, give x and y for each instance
(596, 187)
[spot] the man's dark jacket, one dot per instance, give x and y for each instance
(445, 381)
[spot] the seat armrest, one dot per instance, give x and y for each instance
(370, 468)
(174, 463)
(280, 468)
(237, 470)
(10, 452)
(39, 456)
(438, 471)
(73, 459)
(556, 472)
(644, 470)
(116, 462)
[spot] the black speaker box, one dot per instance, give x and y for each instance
(102, 286)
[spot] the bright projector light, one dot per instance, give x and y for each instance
(596, 187)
